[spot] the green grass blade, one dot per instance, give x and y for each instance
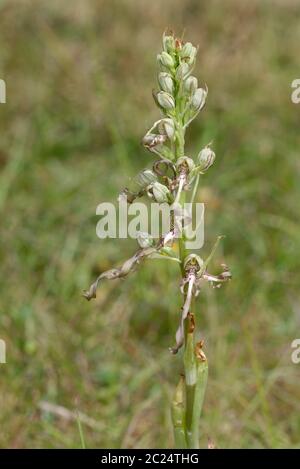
(82, 439)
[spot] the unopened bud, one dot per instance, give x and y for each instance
(168, 43)
(165, 59)
(188, 53)
(193, 261)
(190, 85)
(187, 50)
(167, 127)
(205, 158)
(165, 100)
(144, 239)
(182, 71)
(160, 192)
(198, 99)
(184, 162)
(192, 57)
(145, 178)
(153, 140)
(166, 82)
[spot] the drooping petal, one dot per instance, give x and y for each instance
(220, 278)
(186, 307)
(124, 270)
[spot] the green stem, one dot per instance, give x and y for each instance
(178, 415)
(195, 189)
(202, 372)
(181, 241)
(187, 403)
(189, 356)
(190, 369)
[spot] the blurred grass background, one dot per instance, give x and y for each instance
(79, 77)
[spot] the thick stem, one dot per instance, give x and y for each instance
(202, 372)
(178, 415)
(186, 416)
(189, 356)
(190, 368)
(181, 241)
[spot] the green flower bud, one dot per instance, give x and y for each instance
(193, 261)
(192, 57)
(182, 71)
(165, 100)
(160, 192)
(184, 162)
(145, 178)
(187, 50)
(205, 159)
(188, 53)
(145, 240)
(190, 85)
(167, 127)
(166, 82)
(168, 43)
(165, 59)
(198, 99)
(153, 140)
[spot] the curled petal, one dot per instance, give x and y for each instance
(169, 238)
(179, 341)
(161, 168)
(109, 274)
(155, 142)
(124, 270)
(186, 307)
(218, 279)
(150, 141)
(183, 283)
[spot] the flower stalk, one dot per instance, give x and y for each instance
(174, 180)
